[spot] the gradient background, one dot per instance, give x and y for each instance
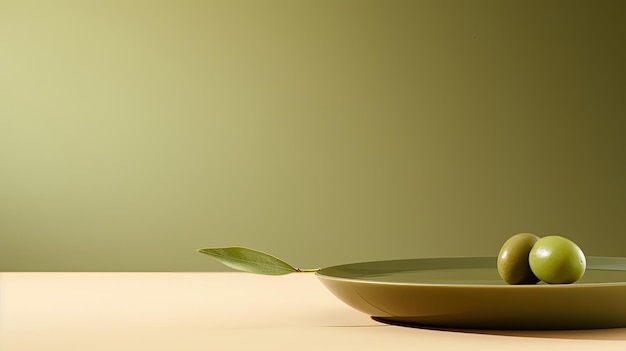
(133, 132)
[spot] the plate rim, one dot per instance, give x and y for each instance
(321, 275)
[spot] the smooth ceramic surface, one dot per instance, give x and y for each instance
(467, 292)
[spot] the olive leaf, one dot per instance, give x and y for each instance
(252, 261)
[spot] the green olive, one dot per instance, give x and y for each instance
(513, 264)
(557, 260)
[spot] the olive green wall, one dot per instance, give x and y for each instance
(133, 132)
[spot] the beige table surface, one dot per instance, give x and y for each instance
(227, 311)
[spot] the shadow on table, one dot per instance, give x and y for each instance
(579, 334)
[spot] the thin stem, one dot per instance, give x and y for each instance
(307, 270)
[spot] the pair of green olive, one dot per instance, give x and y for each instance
(526, 258)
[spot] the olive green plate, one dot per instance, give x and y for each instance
(466, 292)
